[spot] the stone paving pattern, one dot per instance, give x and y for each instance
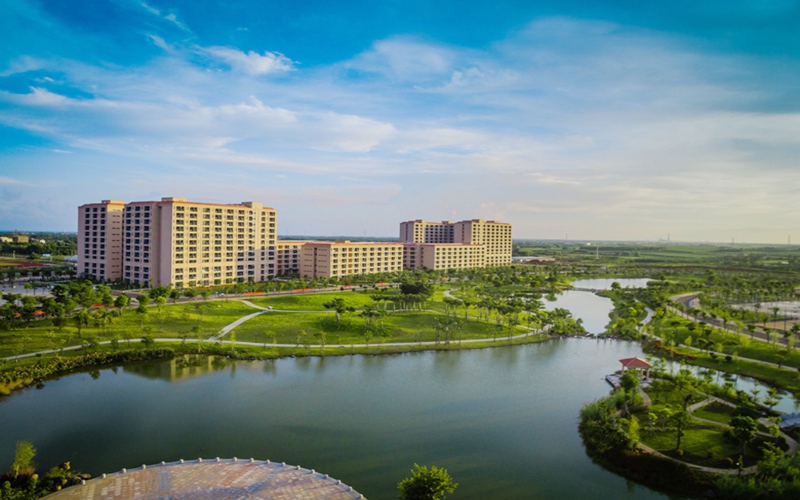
(211, 479)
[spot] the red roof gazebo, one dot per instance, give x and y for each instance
(636, 363)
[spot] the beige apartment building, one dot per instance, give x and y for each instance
(443, 256)
(335, 259)
(494, 237)
(100, 240)
(181, 243)
(186, 244)
(288, 256)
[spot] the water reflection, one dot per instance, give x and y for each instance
(591, 308)
(605, 283)
(178, 368)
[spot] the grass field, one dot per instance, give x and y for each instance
(170, 322)
(177, 320)
(717, 412)
(312, 302)
(397, 327)
(702, 444)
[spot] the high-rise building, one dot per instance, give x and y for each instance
(100, 240)
(453, 245)
(175, 242)
(181, 243)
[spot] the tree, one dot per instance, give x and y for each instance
(339, 306)
(143, 300)
(81, 319)
(681, 419)
(426, 484)
(142, 312)
(121, 302)
(159, 302)
(23, 457)
(629, 382)
(744, 428)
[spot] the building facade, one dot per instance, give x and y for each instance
(288, 256)
(336, 259)
(100, 240)
(180, 243)
(176, 242)
(443, 256)
(493, 237)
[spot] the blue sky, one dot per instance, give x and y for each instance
(592, 120)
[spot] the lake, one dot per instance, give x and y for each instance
(503, 421)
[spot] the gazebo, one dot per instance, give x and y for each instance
(636, 363)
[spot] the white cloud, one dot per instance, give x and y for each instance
(159, 42)
(251, 62)
(37, 97)
(23, 64)
(405, 58)
(171, 17)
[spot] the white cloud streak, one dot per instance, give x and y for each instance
(251, 62)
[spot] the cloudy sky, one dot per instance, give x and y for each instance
(589, 119)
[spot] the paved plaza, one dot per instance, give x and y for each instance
(212, 479)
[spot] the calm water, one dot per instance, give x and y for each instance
(605, 283)
(591, 308)
(503, 421)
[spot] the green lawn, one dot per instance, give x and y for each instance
(169, 322)
(313, 302)
(718, 412)
(398, 327)
(702, 444)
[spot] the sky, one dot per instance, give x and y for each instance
(578, 119)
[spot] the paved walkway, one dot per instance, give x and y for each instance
(207, 479)
(233, 325)
(728, 472)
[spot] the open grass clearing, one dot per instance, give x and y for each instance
(41, 335)
(704, 444)
(313, 302)
(397, 327)
(717, 412)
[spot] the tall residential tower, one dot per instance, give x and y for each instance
(178, 242)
